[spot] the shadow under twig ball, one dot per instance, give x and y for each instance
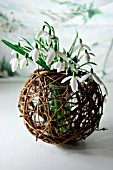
(55, 114)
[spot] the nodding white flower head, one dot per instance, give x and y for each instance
(40, 34)
(87, 56)
(44, 34)
(52, 54)
(80, 45)
(14, 64)
(60, 66)
(35, 53)
(85, 77)
(96, 78)
(23, 63)
(73, 82)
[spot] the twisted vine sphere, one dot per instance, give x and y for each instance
(55, 114)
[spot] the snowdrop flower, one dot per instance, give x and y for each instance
(87, 56)
(73, 82)
(23, 63)
(52, 54)
(35, 53)
(43, 33)
(40, 34)
(14, 64)
(83, 78)
(59, 66)
(82, 45)
(96, 78)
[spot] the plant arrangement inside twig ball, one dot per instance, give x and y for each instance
(62, 100)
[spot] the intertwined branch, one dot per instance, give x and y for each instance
(55, 114)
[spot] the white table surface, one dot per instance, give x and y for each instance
(20, 151)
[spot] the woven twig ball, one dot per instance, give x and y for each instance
(55, 114)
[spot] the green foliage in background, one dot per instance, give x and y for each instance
(8, 23)
(74, 9)
(5, 69)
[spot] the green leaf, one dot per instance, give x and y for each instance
(28, 48)
(14, 47)
(73, 45)
(43, 46)
(42, 63)
(47, 25)
(27, 41)
(87, 64)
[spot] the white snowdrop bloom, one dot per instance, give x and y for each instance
(14, 64)
(80, 46)
(34, 54)
(73, 82)
(50, 57)
(59, 66)
(62, 55)
(23, 63)
(40, 34)
(43, 51)
(52, 54)
(96, 78)
(87, 56)
(71, 66)
(44, 34)
(66, 79)
(55, 65)
(83, 78)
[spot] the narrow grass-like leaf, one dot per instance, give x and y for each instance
(27, 41)
(73, 45)
(88, 63)
(47, 25)
(28, 48)
(14, 47)
(41, 44)
(42, 63)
